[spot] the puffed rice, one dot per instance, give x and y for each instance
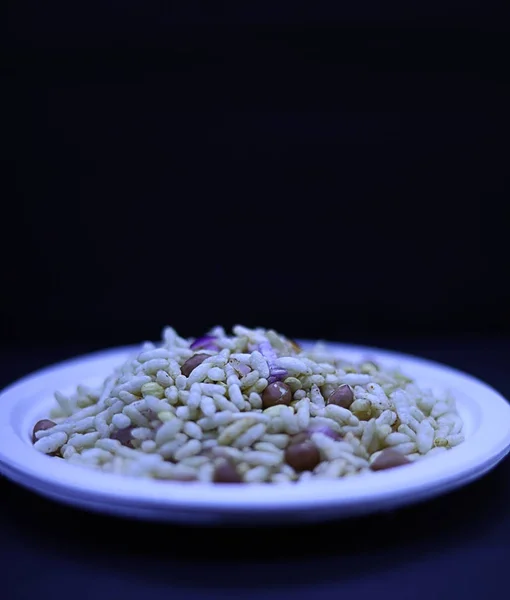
(219, 412)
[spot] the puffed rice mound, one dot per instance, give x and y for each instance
(250, 407)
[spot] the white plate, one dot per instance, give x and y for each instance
(486, 417)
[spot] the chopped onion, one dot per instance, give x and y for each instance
(275, 373)
(325, 430)
(206, 342)
(240, 367)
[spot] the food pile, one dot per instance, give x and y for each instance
(250, 407)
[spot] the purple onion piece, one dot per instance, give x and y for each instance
(243, 369)
(206, 342)
(324, 429)
(240, 367)
(267, 351)
(210, 346)
(275, 372)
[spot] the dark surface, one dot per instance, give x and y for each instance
(327, 177)
(452, 547)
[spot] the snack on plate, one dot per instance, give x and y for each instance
(250, 407)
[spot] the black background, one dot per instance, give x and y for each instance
(330, 171)
(335, 170)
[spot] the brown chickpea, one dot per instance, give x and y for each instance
(343, 396)
(226, 472)
(192, 363)
(276, 393)
(303, 456)
(389, 459)
(41, 425)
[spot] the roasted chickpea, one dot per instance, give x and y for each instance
(192, 363)
(389, 459)
(303, 456)
(276, 393)
(226, 472)
(343, 396)
(41, 426)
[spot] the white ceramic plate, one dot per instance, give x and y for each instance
(486, 417)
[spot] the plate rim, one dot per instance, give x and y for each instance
(438, 474)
